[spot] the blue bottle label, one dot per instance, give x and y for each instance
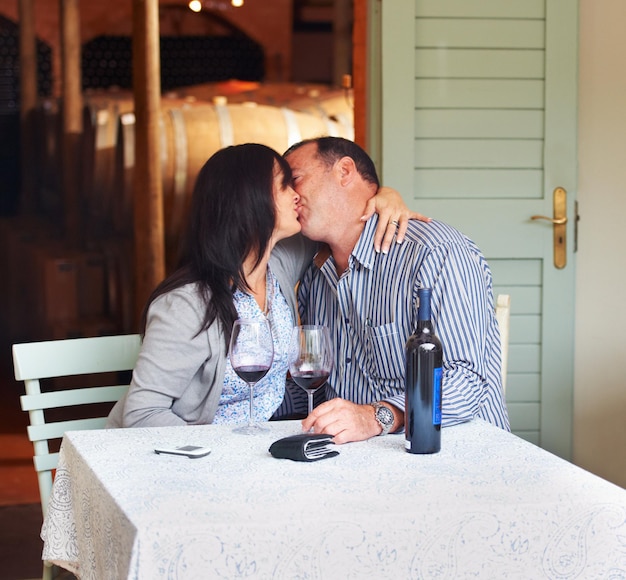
(437, 396)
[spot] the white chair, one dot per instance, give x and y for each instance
(503, 314)
(63, 358)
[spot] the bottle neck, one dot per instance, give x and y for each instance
(423, 311)
(425, 326)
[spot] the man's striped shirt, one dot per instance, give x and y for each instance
(371, 310)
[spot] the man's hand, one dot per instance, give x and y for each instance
(345, 420)
(393, 217)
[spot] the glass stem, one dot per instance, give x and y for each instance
(251, 422)
(310, 395)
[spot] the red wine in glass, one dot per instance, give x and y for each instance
(251, 354)
(310, 358)
(310, 381)
(251, 373)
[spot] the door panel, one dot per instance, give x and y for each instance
(522, 280)
(468, 63)
(479, 182)
(467, 32)
(479, 93)
(490, 88)
(472, 154)
(478, 124)
(482, 8)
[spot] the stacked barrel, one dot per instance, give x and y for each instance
(195, 122)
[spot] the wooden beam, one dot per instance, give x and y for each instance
(147, 186)
(359, 75)
(342, 40)
(28, 104)
(72, 117)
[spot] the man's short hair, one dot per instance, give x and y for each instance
(331, 149)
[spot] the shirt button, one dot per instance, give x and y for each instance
(348, 360)
(346, 320)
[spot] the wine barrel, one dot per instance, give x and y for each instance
(337, 104)
(101, 121)
(190, 135)
(101, 111)
(321, 100)
(208, 91)
(278, 94)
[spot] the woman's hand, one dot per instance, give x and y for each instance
(393, 217)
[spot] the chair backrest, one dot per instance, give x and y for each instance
(35, 361)
(503, 314)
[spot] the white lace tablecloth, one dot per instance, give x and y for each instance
(489, 505)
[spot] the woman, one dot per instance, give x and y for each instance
(232, 265)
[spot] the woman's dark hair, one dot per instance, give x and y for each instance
(232, 216)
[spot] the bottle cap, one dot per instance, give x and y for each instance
(423, 295)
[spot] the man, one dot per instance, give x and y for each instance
(369, 301)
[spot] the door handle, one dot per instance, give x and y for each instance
(559, 221)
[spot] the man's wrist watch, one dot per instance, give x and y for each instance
(384, 417)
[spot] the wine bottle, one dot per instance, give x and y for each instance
(424, 357)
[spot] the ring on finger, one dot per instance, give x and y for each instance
(395, 223)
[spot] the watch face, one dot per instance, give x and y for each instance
(384, 415)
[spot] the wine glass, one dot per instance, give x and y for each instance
(310, 358)
(251, 354)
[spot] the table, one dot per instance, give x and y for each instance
(488, 505)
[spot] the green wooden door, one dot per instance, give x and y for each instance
(477, 128)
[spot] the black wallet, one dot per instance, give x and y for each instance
(303, 447)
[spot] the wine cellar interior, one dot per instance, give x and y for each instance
(271, 74)
(52, 287)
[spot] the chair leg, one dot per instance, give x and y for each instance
(47, 571)
(54, 572)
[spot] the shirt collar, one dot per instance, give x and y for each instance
(363, 251)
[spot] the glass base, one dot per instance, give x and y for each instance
(253, 429)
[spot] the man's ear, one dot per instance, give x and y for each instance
(347, 170)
